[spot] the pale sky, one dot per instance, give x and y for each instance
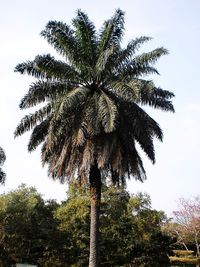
(174, 24)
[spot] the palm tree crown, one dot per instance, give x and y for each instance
(2, 160)
(93, 100)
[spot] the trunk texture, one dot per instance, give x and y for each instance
(197, 244)
(95, 194)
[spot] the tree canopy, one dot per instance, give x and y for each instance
(49, 234)
(93, 100)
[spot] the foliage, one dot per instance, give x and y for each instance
(129, 227)
(186, 224)
(50, 234)
(27, 227)
(74, 221)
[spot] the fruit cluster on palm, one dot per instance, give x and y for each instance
(92, 116)
(2, 160)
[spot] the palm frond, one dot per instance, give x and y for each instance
(127, 91)
(90, 123)
(112, 31)
(31, 120)
(102, 62)
(88, 156)
(86, 38)
(30, 68)
(46, 67)
(158, 102)
(140, 65)
(130, 162)
(142, 128)
(143, 92)
(70, 101)
(136, 167)
(107, 112)
(38, 134)
(132, 47)
(42, 91)
(107, 145)
(133, 70)
(150, 57)
(57, 69)
(155, 97)
(66, 116)
(60, 36)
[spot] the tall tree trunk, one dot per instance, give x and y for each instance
(95, 195)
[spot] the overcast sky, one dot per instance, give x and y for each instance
(174, 24)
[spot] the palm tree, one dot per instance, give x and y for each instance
(92, 116)
(2, 160)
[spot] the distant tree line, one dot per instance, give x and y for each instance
(47, 233)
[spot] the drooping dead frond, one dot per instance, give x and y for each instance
(88, 155)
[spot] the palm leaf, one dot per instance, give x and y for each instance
(31, 120)
(150, 57)
(86, 38)
(62, 38)
(38, 135)
(142, 128)
(91, 124)
(155, 97)
(102, 63)
(30, 68)
(112, 31)
(143, 92)
(107, 112)
(42, 91)
(132, 47)
(56, 69)
(71, 101)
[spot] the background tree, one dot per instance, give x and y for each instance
(187, 219)
(49, 234)
(184, 227)
(93, 116)
(2, 160)
(148, 237)
(130, 230)
(28, 231)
